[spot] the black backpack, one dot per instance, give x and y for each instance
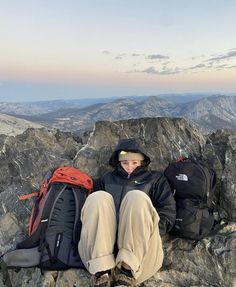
(55, 224)
(193, 185)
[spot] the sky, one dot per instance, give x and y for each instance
(61, 49)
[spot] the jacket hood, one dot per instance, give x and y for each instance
(131, 145)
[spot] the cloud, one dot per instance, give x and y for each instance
(150, 70)
(231, 67)
(157, 57)
(210, 65)
(105, 52)
(214, 62)
(169, 71)
(118, 58)
(221, 66)
(163, 71)
(197, 66)
(136, 55)
(198, 57)
(229, 55)
(166, 63)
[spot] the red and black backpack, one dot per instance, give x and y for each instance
(55, 226)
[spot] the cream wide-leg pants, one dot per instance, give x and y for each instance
(138, 239)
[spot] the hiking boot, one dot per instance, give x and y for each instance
(101, 281)
(122, 280)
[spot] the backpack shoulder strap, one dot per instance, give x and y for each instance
(37, 236)
(80, 196)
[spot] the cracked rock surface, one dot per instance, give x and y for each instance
(26, 158)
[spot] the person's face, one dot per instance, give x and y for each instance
(130, 165)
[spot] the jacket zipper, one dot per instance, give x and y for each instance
(128, 176)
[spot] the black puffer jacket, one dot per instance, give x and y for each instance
(118, 183)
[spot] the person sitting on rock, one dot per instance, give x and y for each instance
(123, 220)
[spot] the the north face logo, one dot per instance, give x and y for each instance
(182, 177)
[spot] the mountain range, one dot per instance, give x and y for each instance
(40, 107)
(208, 113)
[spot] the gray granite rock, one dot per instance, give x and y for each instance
(220, 153)
(164, 139)
(26, 158)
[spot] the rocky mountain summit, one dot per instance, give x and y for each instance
(12, 126)
(25, 158)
